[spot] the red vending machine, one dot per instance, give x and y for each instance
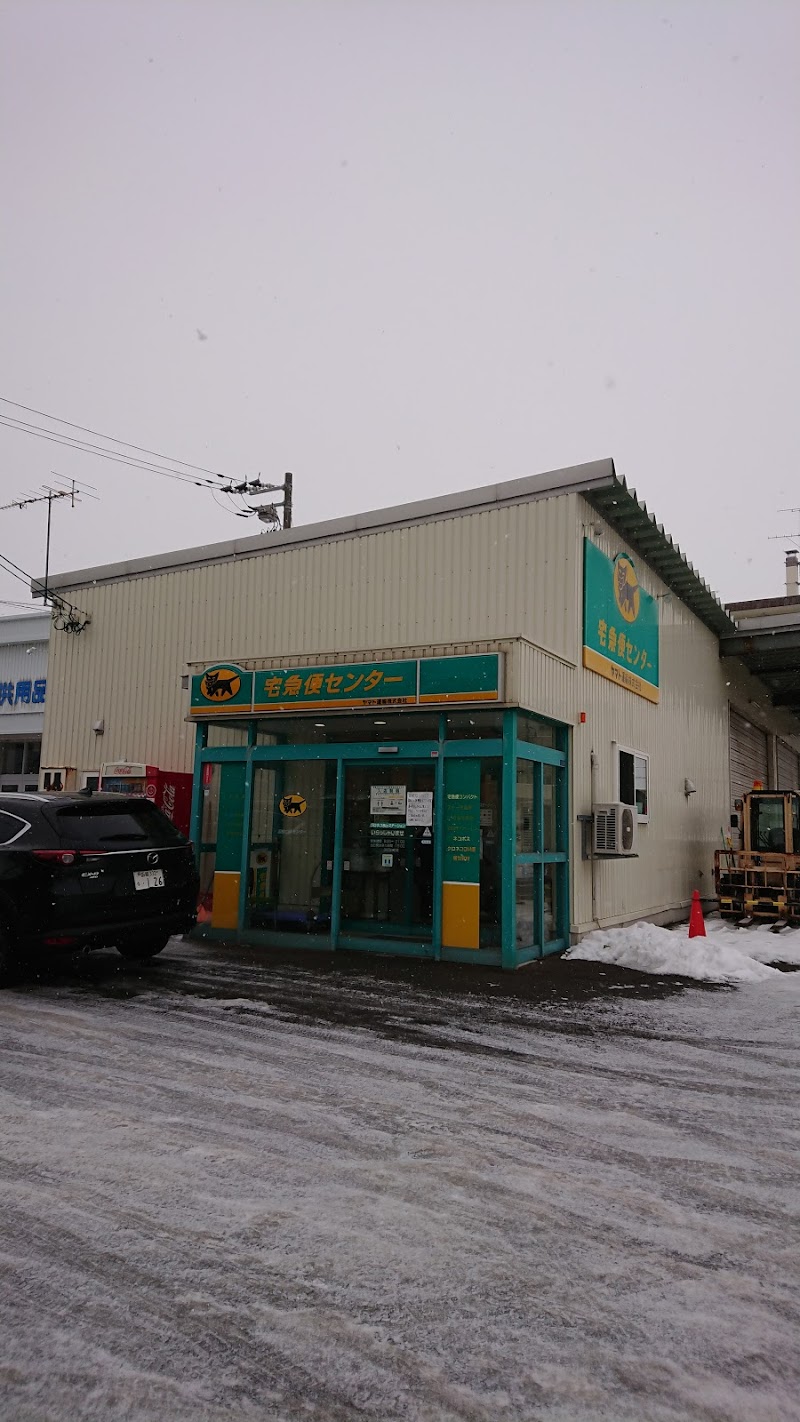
(170, 790)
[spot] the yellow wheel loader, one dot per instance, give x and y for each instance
(761, 881)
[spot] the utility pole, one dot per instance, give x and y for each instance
(266, 513)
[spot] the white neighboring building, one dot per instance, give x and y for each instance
(23, 687)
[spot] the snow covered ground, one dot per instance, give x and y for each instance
(243, 1189)
(726, 955)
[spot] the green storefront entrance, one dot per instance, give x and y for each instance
(440, 833)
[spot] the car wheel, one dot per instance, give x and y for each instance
(145, 947)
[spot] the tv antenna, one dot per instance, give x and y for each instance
(781, 537)
(66, 489)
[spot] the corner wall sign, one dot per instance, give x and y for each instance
(620, 623)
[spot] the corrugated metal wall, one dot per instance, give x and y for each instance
(749, 753)
(787, 767)
(495, 574)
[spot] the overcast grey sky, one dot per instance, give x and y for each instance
(402, 248)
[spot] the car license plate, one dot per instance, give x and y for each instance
(148, 878)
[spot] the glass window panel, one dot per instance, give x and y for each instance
(767, 826)
(33, 751)
(550, 788)
(551, 877)
(205, 898)
(537, 732)
(474, 725)
(525, 917)
(11, 754)
(210, 776)
(220, 736)
(633, 781)
(491, 857)
(640, 788)
(336, 729)
(526, 818)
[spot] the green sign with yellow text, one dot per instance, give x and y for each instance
(620, 623)
(226, 689)
(315, 688)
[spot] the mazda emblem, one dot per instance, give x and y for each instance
(152, 858)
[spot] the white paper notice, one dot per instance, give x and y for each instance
(387, 799)
(419, 807)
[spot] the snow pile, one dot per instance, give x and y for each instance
(759, 942)
(723, 957)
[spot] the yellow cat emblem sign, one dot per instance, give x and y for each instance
(221, 684)
(626, 588)
(293, 805)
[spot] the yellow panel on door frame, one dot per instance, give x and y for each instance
(461, 926)
(225, 904)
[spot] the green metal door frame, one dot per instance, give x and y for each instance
(510, 750)
(540, 756)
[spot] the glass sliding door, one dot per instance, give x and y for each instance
(290, 868)
(387, 850)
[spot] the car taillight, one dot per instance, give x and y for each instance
(67, 856)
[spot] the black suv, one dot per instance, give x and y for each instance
(91, 871)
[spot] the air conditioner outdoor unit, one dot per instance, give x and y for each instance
(614, 830)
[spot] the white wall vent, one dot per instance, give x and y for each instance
(614, 829)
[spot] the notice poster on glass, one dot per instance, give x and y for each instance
(387, 799)
(419, 808)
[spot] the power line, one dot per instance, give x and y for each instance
(243, 490)
(245, 487)
(168, 459)
(86, 447)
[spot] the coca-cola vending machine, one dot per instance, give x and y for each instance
(170, 790)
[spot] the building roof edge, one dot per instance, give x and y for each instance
(577, 478)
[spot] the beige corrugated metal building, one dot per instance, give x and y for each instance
(511, 575)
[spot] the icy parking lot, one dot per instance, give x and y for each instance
(242, 1186)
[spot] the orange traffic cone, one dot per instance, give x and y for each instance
(697, 928)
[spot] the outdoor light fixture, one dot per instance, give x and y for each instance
(379, 723)
(689, 787)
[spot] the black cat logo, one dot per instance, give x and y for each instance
(626, 589)
(220, 684)
(292, 805)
